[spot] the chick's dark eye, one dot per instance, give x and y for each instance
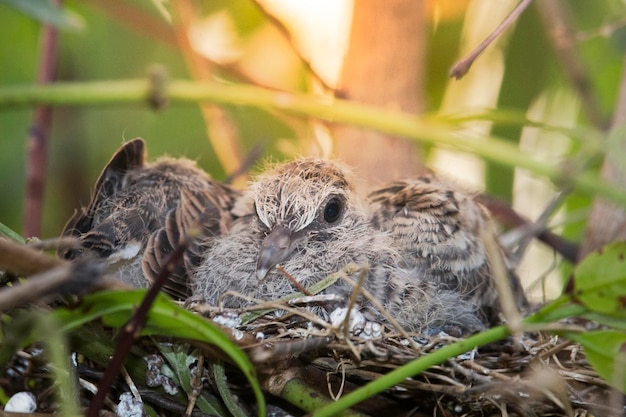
(332, 211)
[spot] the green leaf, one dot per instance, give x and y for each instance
(599, 281)
(10, 234)
(165, 318)
(179, 363)
(606, 352)
(46, 12)
(229, 399)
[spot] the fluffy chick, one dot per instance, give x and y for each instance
(140, 211)
(439, 233)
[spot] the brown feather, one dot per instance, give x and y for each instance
(139, 212)
(438, 227)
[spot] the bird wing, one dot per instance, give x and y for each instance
(201, 215)
(431, 222)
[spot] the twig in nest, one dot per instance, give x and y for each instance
(47, 275)
(311, 317)
(276, 351)
(353, 298)
(461, 67)
(315, 299)
(382, 311)
(315, 288)
(23, 260)
(263, 307)
(471, 373)
(500, 275)
(131, 384)
(293, 280)
(549, 383)
(196, 386)
(63, 242)
(63, 279)
(345, 325)
(340, 365)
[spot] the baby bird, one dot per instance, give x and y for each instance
(438, 231)
(139, 212)
(307, 217)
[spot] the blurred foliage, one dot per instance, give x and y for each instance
(47, 12)
(83, 139)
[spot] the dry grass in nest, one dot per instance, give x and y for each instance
(536, 374)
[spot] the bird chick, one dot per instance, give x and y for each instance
(307, 217)
(139, 212)
(438, 231)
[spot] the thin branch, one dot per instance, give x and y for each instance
(38, 287)
(461, 67)
(506, 215)
(36, 160)
(394, 122)
(421, 130)
(251, 158)
(24, 260)
(607, 30)
(46, 275)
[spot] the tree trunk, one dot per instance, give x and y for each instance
(383, 66)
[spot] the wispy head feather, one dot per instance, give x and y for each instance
(291, 194)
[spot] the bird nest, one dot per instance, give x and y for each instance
(532, 374)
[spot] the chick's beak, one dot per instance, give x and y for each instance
(276, 247)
